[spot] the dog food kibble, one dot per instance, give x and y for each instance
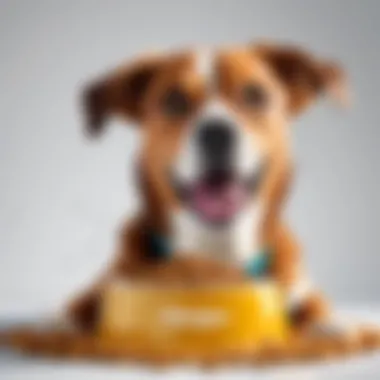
(258, 314)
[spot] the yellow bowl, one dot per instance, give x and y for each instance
(211, 317)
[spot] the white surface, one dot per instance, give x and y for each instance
(363, 367)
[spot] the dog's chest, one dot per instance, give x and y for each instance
(237, 242)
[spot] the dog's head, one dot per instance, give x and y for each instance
(215, 124)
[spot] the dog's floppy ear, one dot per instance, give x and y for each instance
(304, 76)
(119, 93)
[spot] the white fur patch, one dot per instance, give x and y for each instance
(299, 292)
(247, 158)
(205, 65)
(215, 108)
(188, 164)
(236, 242)
(335, 326)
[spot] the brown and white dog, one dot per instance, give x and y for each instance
(216, 159)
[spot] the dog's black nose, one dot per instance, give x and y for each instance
(216, 139)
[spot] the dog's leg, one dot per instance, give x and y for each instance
(307, 307)
(84, 310)
(314, 319)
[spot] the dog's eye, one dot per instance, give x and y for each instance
(176, 103)
(254, 96)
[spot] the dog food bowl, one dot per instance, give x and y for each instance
(203, 317)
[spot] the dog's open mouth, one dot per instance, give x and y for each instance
(218, 196)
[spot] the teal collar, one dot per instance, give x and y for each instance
(259, 264)
(159, 249)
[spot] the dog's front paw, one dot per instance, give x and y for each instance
(335, 334)
(56, 321)
(331, 329)
(369, 337)
(343, 336)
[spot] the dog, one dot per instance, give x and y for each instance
(216, 165)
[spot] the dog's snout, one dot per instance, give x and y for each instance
(215, 135)
(216, 139)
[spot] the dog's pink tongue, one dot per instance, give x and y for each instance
(218, 204)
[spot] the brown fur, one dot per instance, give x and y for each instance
(292, 77)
